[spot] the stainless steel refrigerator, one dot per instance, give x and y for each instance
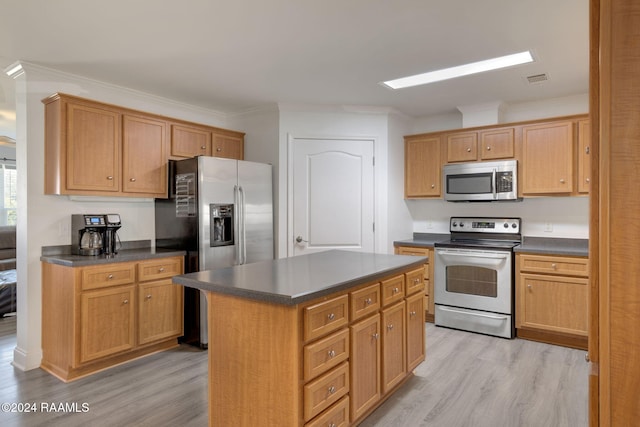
(220, 212)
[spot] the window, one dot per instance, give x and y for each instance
(8, 186)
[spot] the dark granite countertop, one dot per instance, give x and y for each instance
(554, 246)
(423, 239)
(131, 251)
(294, 280)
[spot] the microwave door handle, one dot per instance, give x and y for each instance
(494, 184)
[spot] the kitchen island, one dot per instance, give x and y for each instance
(320, 339)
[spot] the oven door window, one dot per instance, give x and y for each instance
(472, 280)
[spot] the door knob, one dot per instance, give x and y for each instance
(299, 239)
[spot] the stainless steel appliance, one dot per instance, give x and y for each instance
(481, 181)
(220, 212)
(474, 275)
(94, 234)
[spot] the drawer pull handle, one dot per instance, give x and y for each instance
(331, 390)
(331, 316)
(331, 354)
(368, 301)
(125, 301)
(375, 336)
(110, 276)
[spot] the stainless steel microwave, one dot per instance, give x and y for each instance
(481, 181)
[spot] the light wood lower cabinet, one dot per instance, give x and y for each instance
(552, 299)
(99, 316)
(429, 304)
(329, 361)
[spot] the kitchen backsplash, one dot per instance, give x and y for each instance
(542, 216)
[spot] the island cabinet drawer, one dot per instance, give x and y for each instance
(415, 280)
(108, 275)
(392, 290)
(336, 416)
(325, 317)
(159, 268)
(323, 355)
(365, 301)
(563, 265)
(409, 250)
(325, 391)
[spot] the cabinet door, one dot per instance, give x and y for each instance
(548, 158)
(106, 322)
(415, 331)
(584, 156)
(159, 311)
(422, 174)
(365, 365)
(189, 141)
(228, 146)
(93, 149)
(144, 156)
(552, 303)
(462, 147)
(497, 144)
(394, 362)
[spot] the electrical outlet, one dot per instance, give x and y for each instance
(548, 227)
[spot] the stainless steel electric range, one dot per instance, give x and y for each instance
(474, 275)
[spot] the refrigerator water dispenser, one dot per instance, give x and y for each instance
(221, 221)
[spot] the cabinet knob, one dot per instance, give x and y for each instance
(588, 180)
(161, 270)
(218, 149)
(396, 290)
(554, 266)
(416, 280)
(489, 148)
(204, 147)
(110, 276)
(148, 296)
(331, 390)
(368, 301)
(529, 286)
(390, 327)
(110, 178)
(331, 316)
(586, 357)
(375, 336)
(331, 354)
(332, 425)
(561, 180)
(468, 150)
(586, 150)
(125, 301)
(132, 179)
(412, 313)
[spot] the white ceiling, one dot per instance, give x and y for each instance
(229, 56)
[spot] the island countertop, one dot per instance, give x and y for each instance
(294, 280)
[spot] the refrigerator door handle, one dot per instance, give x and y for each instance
(241, 219)
(236, 224)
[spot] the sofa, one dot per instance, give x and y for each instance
(7, 269)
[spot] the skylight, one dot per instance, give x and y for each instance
(461, 70)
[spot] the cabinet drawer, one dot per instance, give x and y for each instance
(336, 416)
(365, 301)
(415, 280)
(392, 290)
(568, 266)
(408, 250)
(325, 317)
(108, 275)
(325, 391)
(323, 355)
(159, 268)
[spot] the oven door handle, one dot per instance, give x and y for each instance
(475, 254)
(490, 316)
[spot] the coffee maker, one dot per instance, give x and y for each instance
(94, 234)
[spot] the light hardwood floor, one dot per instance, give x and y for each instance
(467, 380)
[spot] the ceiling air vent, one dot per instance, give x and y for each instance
(537, 78)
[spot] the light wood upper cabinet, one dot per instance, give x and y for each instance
(584, 156)
(228, 146)
(144, 155)
(188, 141)
(462, 147)
(548, 161)
(423, 163)
(91, 161)
(497, 144)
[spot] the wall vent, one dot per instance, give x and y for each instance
(537, 78)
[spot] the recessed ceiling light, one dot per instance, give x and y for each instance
(461, 70)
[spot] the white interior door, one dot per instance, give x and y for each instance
(333, 195)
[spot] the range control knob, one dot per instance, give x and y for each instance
(514, 225)
(462, 224)
(506, 225)
(455, 224)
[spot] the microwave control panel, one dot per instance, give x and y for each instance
(504, 182)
